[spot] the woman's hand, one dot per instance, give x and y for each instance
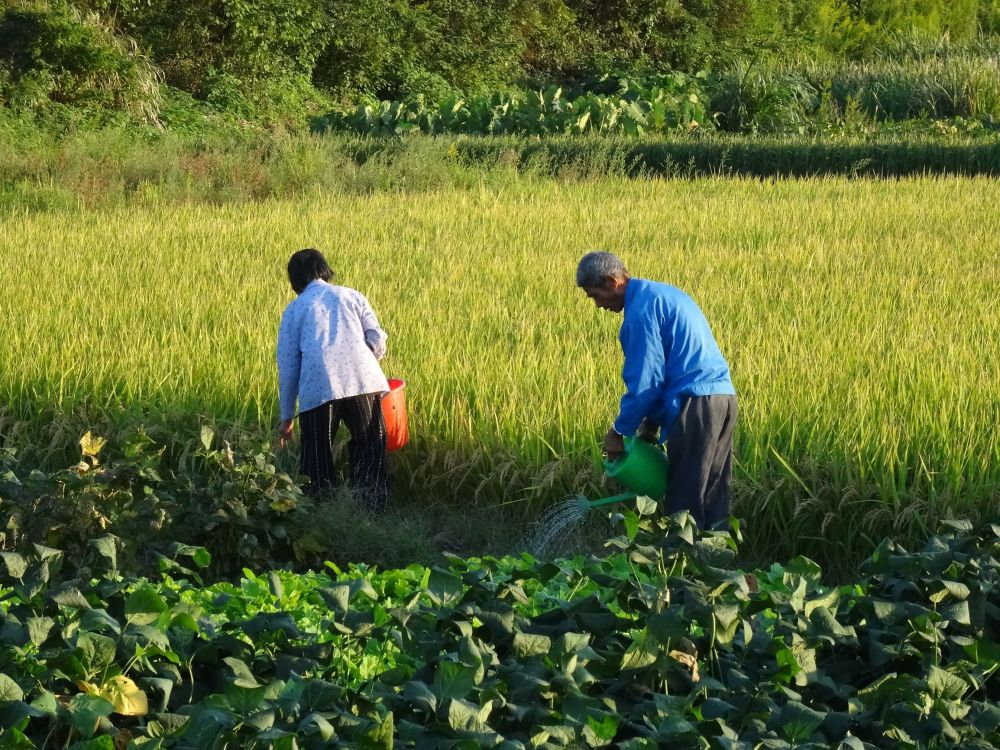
(284, 432)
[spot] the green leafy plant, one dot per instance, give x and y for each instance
(661, 641)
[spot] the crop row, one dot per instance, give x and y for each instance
(662, 642)
(814, 98)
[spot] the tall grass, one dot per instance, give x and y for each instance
(859, 319)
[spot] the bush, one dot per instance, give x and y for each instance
(53, 56)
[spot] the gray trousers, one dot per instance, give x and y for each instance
(700, 449)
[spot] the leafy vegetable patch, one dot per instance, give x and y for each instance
(661, 643)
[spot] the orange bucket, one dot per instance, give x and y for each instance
(394, 410)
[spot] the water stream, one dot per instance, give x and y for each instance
(554, 524)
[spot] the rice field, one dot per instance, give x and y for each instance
(859, 318)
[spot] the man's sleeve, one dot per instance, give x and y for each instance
(375, 337)
(289, 363)
(643, 373)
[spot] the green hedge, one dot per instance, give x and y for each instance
(756, 157)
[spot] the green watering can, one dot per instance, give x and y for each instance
(642, 469)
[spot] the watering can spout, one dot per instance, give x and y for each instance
(586, 504)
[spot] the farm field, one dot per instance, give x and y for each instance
(858, 318)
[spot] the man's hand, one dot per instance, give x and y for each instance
(614, 445)
(649, 431)
(284, 432)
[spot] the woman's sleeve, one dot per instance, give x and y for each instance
(375, 337)
(289, 357)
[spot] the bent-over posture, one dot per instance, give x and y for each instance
(677, 384)
(329, 347)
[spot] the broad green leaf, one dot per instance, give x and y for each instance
(46, 703)
(642, 652)
(666, 626)
(166, 724)
(47, 554)
(716, 708)
(888, 612)
(337, 598)
(199, 555)
(18, 714)
(605, 727)
(105, 547)
(96, 651)
(463, 715)
(984, 653)
(314, 724)
(803, 566)
(242, 701)
(144, 606)
(381, 737)
(943, 684)
(418, 694)
(470, 656)
(206, 724)
(528, 644)
(39, 629)
(673, 728)
(957, 612)
(86, 710)
(261, 720)
(242, 676)
(645, 506)
(160, 689)
(15, 563)
(957, 589)
(453, 680)
(444, 587)
(798, 722)
(9, 690)
(274, 583)
(14, 739)
(70, 596)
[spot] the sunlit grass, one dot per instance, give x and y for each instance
(858, 317)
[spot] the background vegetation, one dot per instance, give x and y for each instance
(73, 62)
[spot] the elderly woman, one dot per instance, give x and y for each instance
(329, 347)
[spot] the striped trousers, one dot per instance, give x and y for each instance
(369, 475)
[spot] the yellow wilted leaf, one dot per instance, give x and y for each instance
(689, 661)
(91, 444)
(120, 692)
(89, 688)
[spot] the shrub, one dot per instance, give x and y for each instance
(52, 55)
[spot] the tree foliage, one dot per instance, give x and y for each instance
(242, 54)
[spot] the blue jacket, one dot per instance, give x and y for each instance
(670, 353)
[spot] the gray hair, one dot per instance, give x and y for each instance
(594, 267)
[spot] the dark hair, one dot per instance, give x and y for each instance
(306, 266)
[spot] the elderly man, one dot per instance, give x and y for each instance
(676, 383)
